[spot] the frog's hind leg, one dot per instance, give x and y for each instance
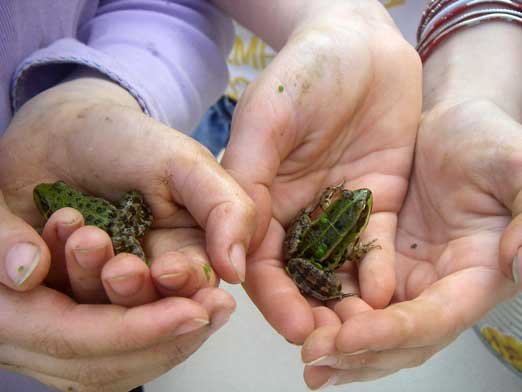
(135, 212)
(128, 245)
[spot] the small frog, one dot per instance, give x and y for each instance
(124, 221)
(323, 237)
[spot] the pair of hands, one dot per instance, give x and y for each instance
(349, 110)
(447, 217)
(91, 133)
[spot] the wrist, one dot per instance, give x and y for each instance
(95, 86)
(276, 21)
(482, 62)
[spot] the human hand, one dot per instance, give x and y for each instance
(459, 229)
(341, 101)
(88, 348)
(91, 133)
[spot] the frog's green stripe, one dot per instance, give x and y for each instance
(324, 236)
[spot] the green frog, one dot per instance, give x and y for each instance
(323, 237)
(124, 221)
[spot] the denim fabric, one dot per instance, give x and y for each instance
(214, 129)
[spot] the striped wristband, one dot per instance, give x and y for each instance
(443, 18)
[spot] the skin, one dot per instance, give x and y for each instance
(462, 210)
(65, 133)
(287, 141)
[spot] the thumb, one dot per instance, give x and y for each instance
(23, 253)
(510, 252)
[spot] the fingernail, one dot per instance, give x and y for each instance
(364, 350)
(20, 261)
(331, 381)
(90, 258)
(517, 269)
(65, 229)
(126, 285)
(220, 319)
(325, 360)
(190, 326)
(173, 280)
(237, 256)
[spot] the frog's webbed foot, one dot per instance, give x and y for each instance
(360, 250)
(329, 192)
(128, 245)
(135, 213)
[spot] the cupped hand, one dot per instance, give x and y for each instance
(340, 102)
(91, 133)
(88, 348)
(460, 223)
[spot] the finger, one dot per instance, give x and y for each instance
(322, 377)
(438, 315)
(58, 228)
(325, 317)
(228, 215)
(320, 344)
(86, 252)
(377, 269)
(274, 293)
(127, 281)
(26, 258)
(180, 264)
(219, 305)
(510, 251)
(53, 324)
(122, 372)
(320, 350)
(349, 307)
(182, 273)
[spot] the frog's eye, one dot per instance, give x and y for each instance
(44, 207)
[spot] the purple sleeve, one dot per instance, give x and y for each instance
(170, 55)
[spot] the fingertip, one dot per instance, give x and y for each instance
(228, 238)
(377, 279)
(24, 253)
(219, 304)
(510, 251)
(182, 273)
(319, 343)
(61, 225)
(26, 265)
(127, 281)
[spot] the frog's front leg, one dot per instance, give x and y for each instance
(329, 192)
(360, 249)
(315, 281)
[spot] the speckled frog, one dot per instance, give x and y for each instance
(324, 237)
(125, 221)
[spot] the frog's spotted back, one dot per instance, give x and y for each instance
(51, 197)
(125, 222)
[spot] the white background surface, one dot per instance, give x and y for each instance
(246, 355)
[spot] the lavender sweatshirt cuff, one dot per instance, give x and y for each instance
(175, 68)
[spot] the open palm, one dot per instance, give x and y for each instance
(336, 104)
(454, 231)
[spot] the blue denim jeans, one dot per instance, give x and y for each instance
(214, 129)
